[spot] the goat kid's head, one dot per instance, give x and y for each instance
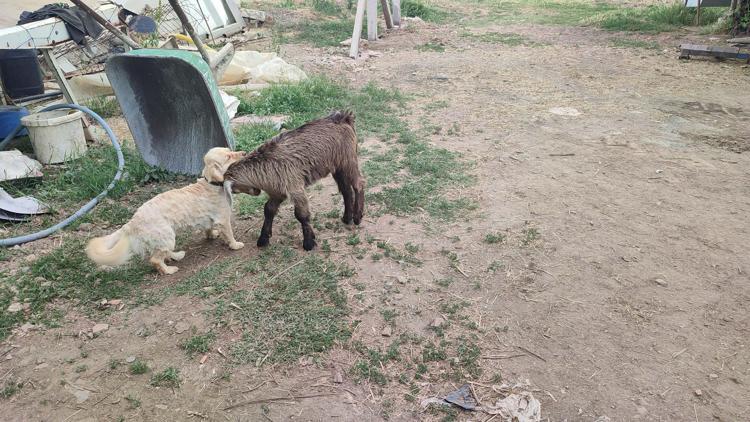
(217, 161)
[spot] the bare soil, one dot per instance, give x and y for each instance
(630, 302)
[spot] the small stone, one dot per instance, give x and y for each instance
(82, 395)
(603, 419)
(337, 377)
(401, 279)
(387, 331)
(41, 366)
(114, 302)
(437, 322)
(84, 227)
(130, 359)
(698, 392)
(713, 376)
(15, 307)
(30, 257)
(39, 361)
(398, 296)
(661, 282)
(99, 328)
(29, 327)
(181, 327)
(161, 406)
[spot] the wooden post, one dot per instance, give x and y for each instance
(386, 14)
(357, 34)
(396, 12)
(698, 14)
(190, 30)
(372, 20)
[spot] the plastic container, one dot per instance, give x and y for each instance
(56, 136)
(21, 73)
(10, 118)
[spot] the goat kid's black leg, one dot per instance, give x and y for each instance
(346, 192)
(359, 199)
(269, 212)
(302, 213)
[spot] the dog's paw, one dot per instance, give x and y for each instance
(308, 244)
(212, 234)
(236, 245)
(263, 242)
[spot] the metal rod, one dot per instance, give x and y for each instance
(189, 28)
(111, 28)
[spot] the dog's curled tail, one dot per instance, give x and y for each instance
(112, 250)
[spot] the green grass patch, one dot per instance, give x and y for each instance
(65, 273)
(326, 7)
(493, 238)
(370, 366)
(104, 106)
(138, 367)
(170, 377)
(606, 15)
(423, 10)
(251, 136)
(295, 308)
(198, 344)
(505, 38)
(633, 43)
(317, 32)
(10, 389)
(431, 46)
(655, 18)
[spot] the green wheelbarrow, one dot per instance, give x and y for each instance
(172, 105)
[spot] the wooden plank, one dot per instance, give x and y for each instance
(372, 20)
(386, 14)
(59, 75)
(357, 33)
(687, 50)
(396, 12)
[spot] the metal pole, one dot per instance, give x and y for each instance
(189, 28)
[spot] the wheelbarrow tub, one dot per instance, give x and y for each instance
(172, 105)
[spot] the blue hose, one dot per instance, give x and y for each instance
(89, 205)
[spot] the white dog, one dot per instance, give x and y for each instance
(151, 231)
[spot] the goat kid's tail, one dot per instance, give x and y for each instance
(346, 116)
(112, 250)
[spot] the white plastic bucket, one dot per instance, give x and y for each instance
(56, 136)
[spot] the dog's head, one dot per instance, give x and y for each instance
(217, 161)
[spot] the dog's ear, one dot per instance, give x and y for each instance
(213, 173)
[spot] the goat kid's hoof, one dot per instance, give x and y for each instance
(236, 245)
(263, 242)
(308, 245)
(345, 221)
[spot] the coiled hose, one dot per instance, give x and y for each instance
(12, 241)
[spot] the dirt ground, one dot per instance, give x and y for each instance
(629, 303)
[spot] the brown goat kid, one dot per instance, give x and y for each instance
(285, 165)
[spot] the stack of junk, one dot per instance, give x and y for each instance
(151, 55)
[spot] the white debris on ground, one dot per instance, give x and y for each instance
(249, 66)
(521, 407)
